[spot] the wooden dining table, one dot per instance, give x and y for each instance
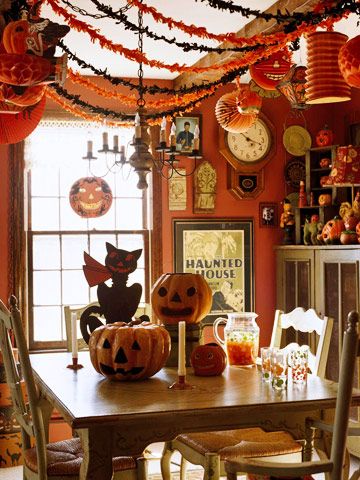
(121, 418)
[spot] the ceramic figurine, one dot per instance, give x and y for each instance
(287, 222)
(311, 230)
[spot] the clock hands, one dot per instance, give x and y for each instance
(248, 139)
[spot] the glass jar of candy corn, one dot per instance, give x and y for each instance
(241, 338)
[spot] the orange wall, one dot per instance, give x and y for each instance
(3, 221)
(227, 206)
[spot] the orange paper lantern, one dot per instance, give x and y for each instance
(325, 84)
(269, 72)
(349, 62)
(228, 115)
(14, 128)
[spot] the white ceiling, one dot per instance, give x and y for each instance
(188, 11)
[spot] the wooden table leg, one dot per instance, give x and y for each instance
(97, 447)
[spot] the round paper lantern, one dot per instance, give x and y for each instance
(90, 197)
(27, 69)
(349, 62)
(22, 96)
(14, 128)
(269, 72)
(228, 115)
(181, 296)
(122, 351)
(325, 84)
(247, 101)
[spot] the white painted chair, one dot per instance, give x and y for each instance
(60, 460)
(209, 449)
(333, 467)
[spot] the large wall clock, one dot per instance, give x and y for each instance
(249, 151)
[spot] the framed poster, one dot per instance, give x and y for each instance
(185, 128)
(222, 252)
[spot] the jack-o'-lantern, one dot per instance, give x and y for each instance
(332, 230)
(324, 137)
(122, 351)
(268, 73)
(90, 197)
(181, 296)
(208, 360)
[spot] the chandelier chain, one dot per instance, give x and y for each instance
(141, 100)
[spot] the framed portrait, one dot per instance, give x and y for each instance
(268, 214)
(222, 252)
(185, 128)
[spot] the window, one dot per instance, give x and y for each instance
(57, 236)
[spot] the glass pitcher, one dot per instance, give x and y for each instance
(241, 338)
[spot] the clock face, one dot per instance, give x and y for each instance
(252, 145)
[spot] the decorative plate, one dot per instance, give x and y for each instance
(294, 172)
(296, 140)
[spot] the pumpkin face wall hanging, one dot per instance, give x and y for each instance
(269, 72)
(133, 351)
(90, 197)
(181, 296)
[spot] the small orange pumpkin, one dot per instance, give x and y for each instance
(332, 230)
(122, 351)
(208, 360)
(181, 296)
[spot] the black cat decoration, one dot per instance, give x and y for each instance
(119, 302)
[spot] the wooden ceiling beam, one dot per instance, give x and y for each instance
(256, 26)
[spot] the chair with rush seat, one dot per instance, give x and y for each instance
(333, 467)
(60, 460)
(209, 449)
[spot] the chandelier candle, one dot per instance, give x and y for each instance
(172, 135)
(137, 126)
(105, 140)
(116, 143)
(89, 148)
(196, 137)
(163, 131)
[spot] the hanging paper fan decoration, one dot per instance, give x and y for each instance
(349, 62)
(90, 197)
(15, 128)
(269, 72)
(22, 96)
(228, 115)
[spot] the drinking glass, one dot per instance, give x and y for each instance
(298, 361)
(265, 353)
(279, 369)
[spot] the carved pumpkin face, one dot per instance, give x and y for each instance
(332, 230)
(181, 296)
(120, 351)
(324, 137)
(90, 197)
(269, 72)
(208, 360)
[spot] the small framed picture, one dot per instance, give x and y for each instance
(268, 214)
(185, 132)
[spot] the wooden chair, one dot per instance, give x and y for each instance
(144, 309)
(60, 460)
(333, 466)
(209, 449)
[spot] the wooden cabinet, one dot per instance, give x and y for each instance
(325, 278)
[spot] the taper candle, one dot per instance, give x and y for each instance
(74, 345)
(163, 130)
(105, 139)
(116, 142)
(137, 126)
(89, 147)
(181, 349)
(172, 135)
(196, 137)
